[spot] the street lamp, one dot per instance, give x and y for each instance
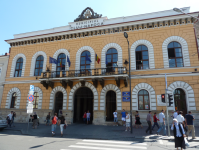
(179, 10)
(126, 36)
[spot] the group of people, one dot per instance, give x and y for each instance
(10, 118)
(181, 126)
(125, 119)
(86, 117)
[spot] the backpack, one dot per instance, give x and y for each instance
(54, 120)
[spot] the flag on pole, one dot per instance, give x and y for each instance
(68, 60)
(87, 58)
(52, 60)
(97, 59)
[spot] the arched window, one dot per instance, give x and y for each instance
(112, 57)
(85, 64)
(180, 100)
(39, 65)
(18, 68)
(61, 61)
(36, 99)
(13, 101)
(143, 100)
(175, 55)
(142, 57)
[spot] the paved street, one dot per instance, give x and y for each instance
(81, 136)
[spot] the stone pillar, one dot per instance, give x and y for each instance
(99, 117)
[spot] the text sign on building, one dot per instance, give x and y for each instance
(87, 23)
(125, 93)
(126, 96)
(126, 99)
(30, 108)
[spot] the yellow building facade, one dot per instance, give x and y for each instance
(160, 43)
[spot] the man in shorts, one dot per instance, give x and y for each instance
(128, 122)
(115, 117)
(123, 117)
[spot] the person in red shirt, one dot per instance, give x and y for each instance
(84, 117)
(155, 119)
(54, 124)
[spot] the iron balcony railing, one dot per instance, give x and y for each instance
(85, 72)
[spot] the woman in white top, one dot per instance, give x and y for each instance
(128, 122)
(179, 134)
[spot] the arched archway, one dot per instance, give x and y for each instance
(180, 100)
(83, 101)
(110, 105)
(58, 103)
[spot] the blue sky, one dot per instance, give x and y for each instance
(20, 16)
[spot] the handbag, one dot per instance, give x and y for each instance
(65, 126)
(186, 142)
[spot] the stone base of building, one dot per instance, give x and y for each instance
(99, 117)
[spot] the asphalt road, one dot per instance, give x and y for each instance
(14, 140)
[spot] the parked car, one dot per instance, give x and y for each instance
(3, 123)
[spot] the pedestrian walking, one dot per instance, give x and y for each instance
(175, 114)
(189, 122)
(149, 121)
(54, 123)
(162, 123)
(155, 120)
(88, 115)
(179, 134)
(84, 117)
(181, 120)
(35, 121)
(128, 122)
(13, 118)
(62, 123)
(137, 120)
(115, 117)
(9, 118)
(123, 117)
(48, 119)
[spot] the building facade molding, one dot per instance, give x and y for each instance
(14, 64)
(103, 96)
(106, 48)
(190, 98)
(150, 53)
(152, 96)
(78, 56)
(9, 96)
(52, 97)
(185, 51)
(33, 61)
(38, 90)
(78, 85)
(56, 54)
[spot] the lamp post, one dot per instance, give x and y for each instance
(126, 36)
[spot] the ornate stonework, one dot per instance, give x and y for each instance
(86, 14)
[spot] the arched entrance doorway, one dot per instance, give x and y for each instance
(110, 105)
(83, 101)
(58, 103)
(180, 101)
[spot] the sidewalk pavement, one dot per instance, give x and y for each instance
(94, 132)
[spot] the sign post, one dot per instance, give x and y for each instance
(166, 98)
(30, 104)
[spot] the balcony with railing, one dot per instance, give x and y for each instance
(109, 71)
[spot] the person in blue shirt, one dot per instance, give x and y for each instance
(123, 117)
(189, 122)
